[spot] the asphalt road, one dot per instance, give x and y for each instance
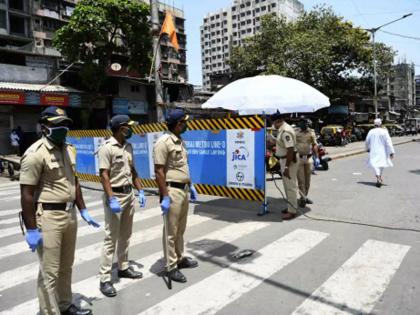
(305, 266)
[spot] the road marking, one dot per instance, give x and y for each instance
(357, 285)
(334, 179)
(215, 292)
(22, 246)
(357, 174)
(9, 192)
(7, 199)
(16, 229)
(29, 272)
(205, 244)
(14, 185)
(88, 206)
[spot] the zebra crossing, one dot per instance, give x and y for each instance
(355, 287)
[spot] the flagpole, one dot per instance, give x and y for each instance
(154, 7)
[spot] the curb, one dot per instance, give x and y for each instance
(361, 151)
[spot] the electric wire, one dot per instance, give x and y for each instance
(336, 220)
(400, 35)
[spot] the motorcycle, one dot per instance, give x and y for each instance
(323, 157)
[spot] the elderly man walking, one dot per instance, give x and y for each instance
(380, 148)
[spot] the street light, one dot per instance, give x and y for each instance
(373, 31)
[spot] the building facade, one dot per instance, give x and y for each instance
(28, 62)
(398, 95)
(417, 80)
(227, 28)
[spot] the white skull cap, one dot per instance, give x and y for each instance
(377, 122)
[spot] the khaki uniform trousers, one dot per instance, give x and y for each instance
(59, 230)
(177, 222)
(290, 185)
(304, 177)
(118, 227)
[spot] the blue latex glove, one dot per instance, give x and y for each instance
(142, 199)
(193, 193)
(85, 215)
(33, 238)
(114, 205)
(317, 162)
(165, 204)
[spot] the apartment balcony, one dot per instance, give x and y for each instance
(48, 13)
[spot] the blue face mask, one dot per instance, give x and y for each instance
(57, 134)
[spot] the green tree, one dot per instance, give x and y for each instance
(320, 48)
(101, 29)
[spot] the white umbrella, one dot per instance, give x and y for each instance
(267, 94)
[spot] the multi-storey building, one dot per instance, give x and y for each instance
(399, 90)
(417, 79)
(28, 62)
(226, 28)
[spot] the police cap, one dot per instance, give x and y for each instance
(55, 116)
(176, 115)
(120, 120)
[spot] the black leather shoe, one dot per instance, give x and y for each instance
(130, 273)
(107, 289)
(177, 276)
(301, 202)
(187, 262)
(309, 201)
(74, 310)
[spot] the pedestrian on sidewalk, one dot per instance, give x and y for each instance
(306, 147)
(118, 175)
(14, 142)
(174, 182)
(50, 191)
(380, 148)
(287, 155)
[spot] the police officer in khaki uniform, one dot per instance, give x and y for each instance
(118, 175)
(286, 152)
(306, 146)
(173, 179)
(49, 192)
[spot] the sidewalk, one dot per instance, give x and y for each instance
(355, 148)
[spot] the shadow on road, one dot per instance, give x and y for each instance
(373, 184)
(417, 172)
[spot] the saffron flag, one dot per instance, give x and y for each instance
(168, 27)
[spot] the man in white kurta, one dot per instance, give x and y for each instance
(380, 148)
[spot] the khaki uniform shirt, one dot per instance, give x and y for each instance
(305, 140)
(171, 152)
(52, 169)
(286, 138)
(118, 159)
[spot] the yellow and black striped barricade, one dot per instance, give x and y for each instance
(226, 155)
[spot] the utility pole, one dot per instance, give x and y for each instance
(154, 8)
(373, 31)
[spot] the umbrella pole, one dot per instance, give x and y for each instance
(264, 208)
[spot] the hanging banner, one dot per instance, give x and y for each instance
(241, 158)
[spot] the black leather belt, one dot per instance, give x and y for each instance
(305, 155)
(62, 206)
(122, 189)
(177, 185)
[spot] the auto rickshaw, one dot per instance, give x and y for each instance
(331, 135)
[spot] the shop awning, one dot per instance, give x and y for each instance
(27, 87)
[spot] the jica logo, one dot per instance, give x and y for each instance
(240, 154)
